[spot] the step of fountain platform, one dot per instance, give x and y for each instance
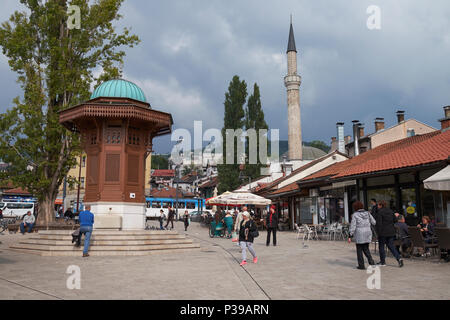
(106, 243)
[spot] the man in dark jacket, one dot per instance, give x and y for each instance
(272, 225)
(170, 217)
(386, 233)
(374, 210)
(403, 235)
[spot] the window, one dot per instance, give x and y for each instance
(27, 206)
(190, 205)
(13, 206)
(166, 204)
(2, 205)
(83, 161)
(156, 204)
(82, 182)
(181, 205)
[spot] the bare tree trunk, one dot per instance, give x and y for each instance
(46, 210)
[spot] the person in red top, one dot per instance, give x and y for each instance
(272, 225)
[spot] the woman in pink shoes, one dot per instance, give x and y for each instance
(247, 232)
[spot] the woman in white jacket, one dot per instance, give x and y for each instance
(362, 232)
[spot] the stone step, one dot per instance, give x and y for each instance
(105, 248)
(112, 232)
(115, 242)
(104, 253)
(112, 237)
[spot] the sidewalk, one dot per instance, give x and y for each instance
(324, 270)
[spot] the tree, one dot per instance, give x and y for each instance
(233, 119)
(160, 162)
(55, 67)
(319, 145)
(254, 119)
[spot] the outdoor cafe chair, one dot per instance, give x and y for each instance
(299, 230)
(418, 241)
(443, 236)
(309, 234)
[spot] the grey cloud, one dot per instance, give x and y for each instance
(191, 49)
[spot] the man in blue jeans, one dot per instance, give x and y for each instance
(86, 224)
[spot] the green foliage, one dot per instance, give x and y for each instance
(160, 162)
(233, 119)
(254, 119)
(319, 145)
(55, 71)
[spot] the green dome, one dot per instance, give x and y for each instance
(119, 88)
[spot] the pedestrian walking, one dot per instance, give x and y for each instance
(86, 225)
(247, 230)
(161, 219)
(186, 220)
(386, 233)
(170, 216)
(272, 225)
(360, 230)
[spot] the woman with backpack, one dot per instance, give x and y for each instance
(247, 232)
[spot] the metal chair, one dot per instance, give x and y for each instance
(418, 241)
(309, 234)
(299, 230)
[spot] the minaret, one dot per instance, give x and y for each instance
(292, 82)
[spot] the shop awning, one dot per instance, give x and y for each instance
(439, 181)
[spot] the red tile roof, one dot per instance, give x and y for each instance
(410, 152)
(16, 191)
(290, 187)
(211, 183)
(163, 173)
(271, 185)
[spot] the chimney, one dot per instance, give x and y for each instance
(400, 116)
(356, 136)
(361, 131)
(348, 139)
(334, 144)
(340, 135)
(379, 124)
(445, 122)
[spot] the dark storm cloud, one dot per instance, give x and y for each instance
(191, 49)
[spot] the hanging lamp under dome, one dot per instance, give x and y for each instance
(119, 88)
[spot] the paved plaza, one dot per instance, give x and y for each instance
(323, 270)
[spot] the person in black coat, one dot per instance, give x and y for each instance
(386, 233)
(374, 209)
(403, 235)
(170, 217)
(247, 227)
(272, 225)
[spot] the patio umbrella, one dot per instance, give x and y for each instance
(439, 181)
(239, 198)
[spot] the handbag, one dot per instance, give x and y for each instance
(234, 237)
(254, 234)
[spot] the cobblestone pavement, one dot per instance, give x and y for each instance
(323, 270)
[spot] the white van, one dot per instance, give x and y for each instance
(16, 209)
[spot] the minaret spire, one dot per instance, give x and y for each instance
(292, 82)
(291, 42)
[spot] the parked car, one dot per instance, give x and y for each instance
(196, 216)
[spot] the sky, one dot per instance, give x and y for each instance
(191, 49)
